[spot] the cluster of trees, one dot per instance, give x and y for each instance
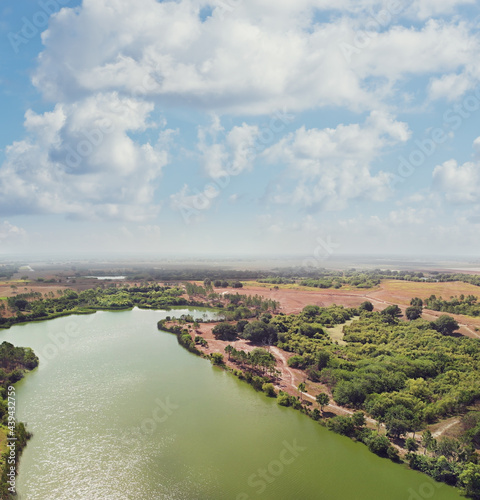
(258, 360)
(7, 271)
(457, 305)
(30, 307)
(277, 280)
(14, 361)
(257, 331)
(404, 374)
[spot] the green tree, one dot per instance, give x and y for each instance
(322, 399)
(225, 331)
(269, 390)
(413, 312)
(358, 419)
(428, 441)
(366, 306)
(445, 324)
(217, 358)
(392, 311)
(416, 302)
(301, 389)
(469, 478)
(411, 444)
(259, 332)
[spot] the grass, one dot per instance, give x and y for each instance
(336, 333)
(400, 292)
(295, 286)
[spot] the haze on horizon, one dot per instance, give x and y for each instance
(241, 127)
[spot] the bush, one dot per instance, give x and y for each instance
(296, 362)
(269, 390)
(284, 399)
(217, 358)
(341, 425)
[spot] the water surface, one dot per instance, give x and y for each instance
(120, 411)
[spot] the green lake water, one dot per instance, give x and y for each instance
(120, 411)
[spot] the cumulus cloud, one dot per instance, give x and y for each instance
(79, 160)
(260, 57)
(330, 167)
(227, 153)
(459, 184)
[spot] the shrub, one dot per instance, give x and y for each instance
(217, 358)
(269, 390)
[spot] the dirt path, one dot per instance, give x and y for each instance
(443, 428)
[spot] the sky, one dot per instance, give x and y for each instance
(240, 127)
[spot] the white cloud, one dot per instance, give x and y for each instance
(260, 57)
(429, 8)
(459, 184)
(79, 160)
(225, 154)
(328, 168)
(11, 234)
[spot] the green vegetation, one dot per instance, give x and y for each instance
(14, 362)
(405, 374)
(34, 307)
(457, 305)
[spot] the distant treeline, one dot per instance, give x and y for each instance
(71, 302)
(6, 272)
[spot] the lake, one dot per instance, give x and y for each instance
(120, 411)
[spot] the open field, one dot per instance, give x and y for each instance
(400, 292)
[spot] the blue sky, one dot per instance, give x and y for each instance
(240, 127)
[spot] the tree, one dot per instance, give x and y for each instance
(269, 390)
(301, 389)
(413, 312)
(341, 425)
(416, 302)
(323, 358)
(470, 479)
(217, 358)
(228, 350)
(445, 324)
(392, 311)
(398, 420)
(358, 419)
(241, 325)
(259, 332)
(311, 311)
(366, 306)
(428, 441)
(411, 444)
(225, 331)
(322, 399)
